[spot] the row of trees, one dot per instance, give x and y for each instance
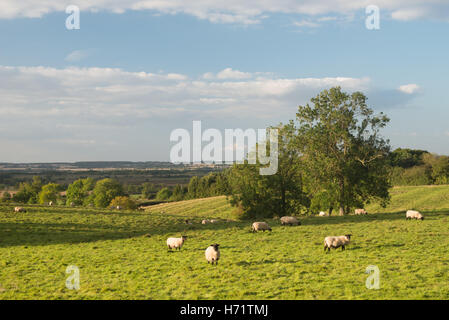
(88, 192)
(210, 185)
(82, 192)
(418, 167)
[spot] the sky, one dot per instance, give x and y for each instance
(134, 71)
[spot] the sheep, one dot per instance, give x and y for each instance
(176, 243)
(260, 226)
(72, 204)
(50, 203)
(187, 221)
(335, 242)
(413, 214)
(292, 221)
(360, 211)
(322, 214)
(212, 253)
(206, 221)
(19, 209)
(119, 208)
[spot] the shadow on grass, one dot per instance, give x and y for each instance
(46, 226)
(49, 226)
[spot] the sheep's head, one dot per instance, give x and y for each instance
(215, 245)
(184, 237)
(348, 236)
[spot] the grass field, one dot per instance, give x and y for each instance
(122, 255)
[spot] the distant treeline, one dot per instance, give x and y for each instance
(110, 192)
(418, 167)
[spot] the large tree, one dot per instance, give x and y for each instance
(342, 150)
(270, 195)
(78, 191)
(105, 190)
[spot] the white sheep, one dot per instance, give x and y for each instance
(335, 242)
(360, 211)
(176, 243)
(212, 253)
(206, 221)
(19, 209)
(292, 221)
(50, 203)
(413, 214)
(260, 226)
(322, 214)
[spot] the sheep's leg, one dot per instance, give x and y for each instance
(343, 248)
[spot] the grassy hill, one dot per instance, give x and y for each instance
(122, 254)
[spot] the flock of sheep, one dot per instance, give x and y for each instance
(212, 252)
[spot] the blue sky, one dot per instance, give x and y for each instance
(136, 70)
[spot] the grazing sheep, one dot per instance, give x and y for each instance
(413, 214)
(50, 203)
(322, 214)
(206, 221)
(19, 209)
(176, 243)
(187, 221)
(119, 208)
(212, 253)
(291, 221)
(335, 242)
(260, 226)
(360, 211)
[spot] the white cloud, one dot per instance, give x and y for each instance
(234, 11)
(227, 73)
(307, 24)
(409, 88)
(108, 94)
(76, 55)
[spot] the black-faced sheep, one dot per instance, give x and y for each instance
(291, 221)
(413, 214)
(260, 226)
(19, 209)
(335, 242)
(212, 253)
(176, 243)
(360, 211)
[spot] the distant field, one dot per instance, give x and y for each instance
(426, 198)
(122, 255)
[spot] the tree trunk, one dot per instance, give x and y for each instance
(330, 210)
(342, 197)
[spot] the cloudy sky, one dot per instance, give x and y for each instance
(136, 70)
